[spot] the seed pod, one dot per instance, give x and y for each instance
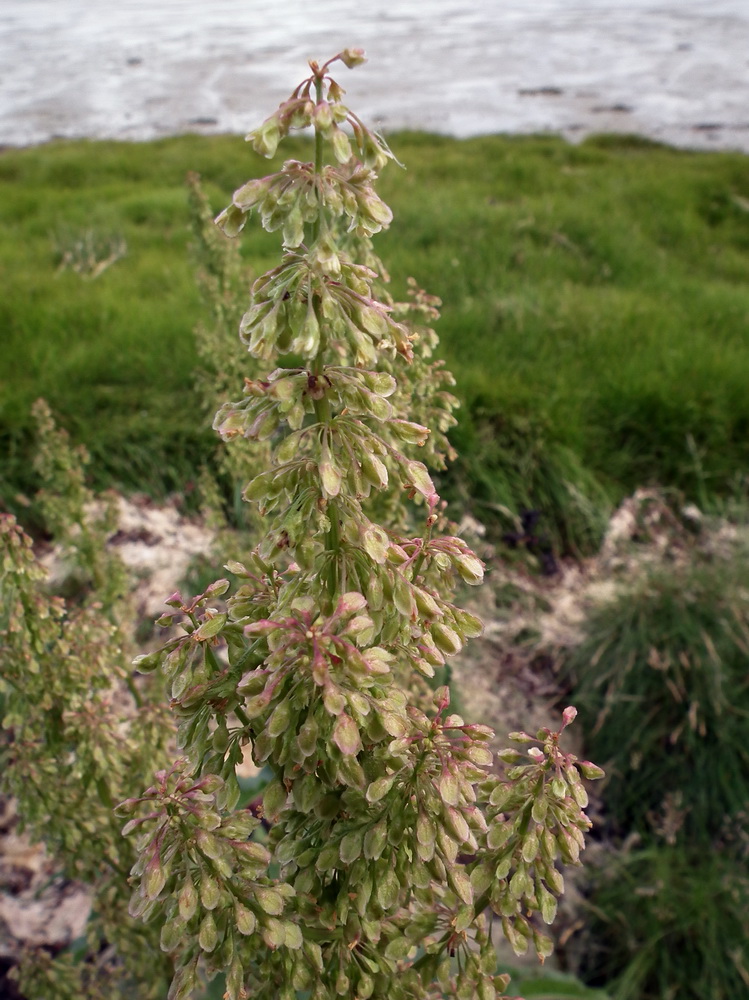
(210, 892)
(154, 878)
(445, 638)
(448, 787)
(375, 840)
(460, 884)
(208, 934)
(269, 900)
(379, 788)
(188, 900)
(590, 771)
(346, 735)
(387, 890)
(172, 934)
(244, 919)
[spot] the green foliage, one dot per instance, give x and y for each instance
(552, 986)
(671, 923)
(75, 742)
(69, 510)
(389, 834)
(662, 686)
(512, 463)
(222, 365)
(560, 259)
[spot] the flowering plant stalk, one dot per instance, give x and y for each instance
(393, 848)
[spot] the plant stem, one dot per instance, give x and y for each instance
(319, 157)
(134, 692)
(242, 716)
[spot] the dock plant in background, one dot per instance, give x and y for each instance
(77, 732)
(393, 851)
(222, 363)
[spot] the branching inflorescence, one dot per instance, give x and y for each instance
(393, 848)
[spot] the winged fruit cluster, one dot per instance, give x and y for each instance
(393, 847)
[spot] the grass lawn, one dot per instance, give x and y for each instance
(596, 306)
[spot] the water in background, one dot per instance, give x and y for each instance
(676, 70)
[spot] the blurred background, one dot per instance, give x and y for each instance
(675, 70)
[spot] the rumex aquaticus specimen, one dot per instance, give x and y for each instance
(393, 849)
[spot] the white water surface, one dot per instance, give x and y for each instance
(677, 71)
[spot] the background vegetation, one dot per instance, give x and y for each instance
(596, 317)
(595, 311)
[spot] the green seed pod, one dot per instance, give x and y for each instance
(210, 891)
(208, 934)
(244, 919)
(269, 900)
(187, 900)
(375, 840)
(387, 890)
(351, 846)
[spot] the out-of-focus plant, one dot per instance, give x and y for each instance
(671, 922)
(78, 736)
(393, 848)
(222, 365)
(662, 686)
(77, 519)
(89, 253)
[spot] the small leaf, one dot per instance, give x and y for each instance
(330, 474)
(548, 905)
(445, 638)
(292, 935)
(274, 933)
(530, 847)
(398, 949)
(184, 982)
(172, 934)
(333, 699)
(456, 824)
(274, 799)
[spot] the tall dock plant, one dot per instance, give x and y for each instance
(393, 847)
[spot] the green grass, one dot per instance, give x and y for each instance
(670, 925)
(662, 687)
(595, 294)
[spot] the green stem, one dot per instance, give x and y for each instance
(134, 692)
(333, 544)
(478, 907)
(319, 150)
(422, 553)
(242, 716)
